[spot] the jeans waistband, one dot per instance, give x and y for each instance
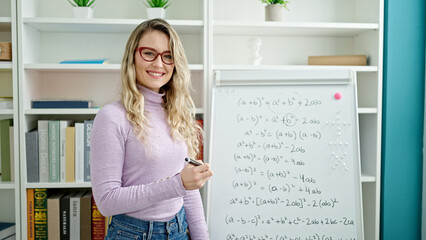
(140, 225)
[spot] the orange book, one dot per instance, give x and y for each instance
(98, 223)
(30, 214)
(200, 154)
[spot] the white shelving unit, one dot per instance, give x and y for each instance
(49, 34)
(214, 38)
(9, 191)
(312, 28)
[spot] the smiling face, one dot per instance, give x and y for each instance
(155, 74)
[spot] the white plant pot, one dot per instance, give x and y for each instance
(156, 13)
(83, 12)
(274, 13)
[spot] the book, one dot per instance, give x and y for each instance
(61, 104)
(75, 215)
(63, 124)
(43, 150)
(12, 153)
(88, 124)
(65, 216)
(53, 146)
(30, 214)
(98, 222)
(5, 149)
(54, 216)
(6, 103)
(351, 60)
(79, 152)
(85, 61)
(70, 154)
(7, 229)
(40, 213)
(31, 150)
(86, 216)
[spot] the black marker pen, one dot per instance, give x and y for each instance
(193, 162)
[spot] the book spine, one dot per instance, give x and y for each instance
(79, 152)
(30, 214)
(75, 218)
(53, 145)
(62, 148)
(5, 149)
(70, 154)
(40, 213)
(31, 149)
(86, 216)
(43, 138)
(65, 218)
(61, 104)
(53, 217)
(98, 223)
(88, 124)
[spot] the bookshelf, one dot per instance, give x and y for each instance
(312, 28)
(215, 38)
(49, 34)
(10, 190)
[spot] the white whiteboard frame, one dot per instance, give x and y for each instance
(291, 77)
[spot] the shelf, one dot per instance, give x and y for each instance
(5, 24)
(56, 67)
(368, 179)
(59, 185)
(6, 112)
(100, 25)
(62, 111)
(367, 110)
(78, 111)
(7, 65)
(7, 185)
(293, 28)
(293, 67)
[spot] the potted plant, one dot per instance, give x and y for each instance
(273, 9)
(82, 8)
(156, 8)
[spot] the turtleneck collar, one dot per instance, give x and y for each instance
(151, 96)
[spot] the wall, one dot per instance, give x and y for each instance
(403, 113)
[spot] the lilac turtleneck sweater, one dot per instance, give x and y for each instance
(141, 180)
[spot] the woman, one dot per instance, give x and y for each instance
(139, 144)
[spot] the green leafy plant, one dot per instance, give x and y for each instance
(82, 3)
(158, 3)
(283, 3)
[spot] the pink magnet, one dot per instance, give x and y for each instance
(338, 96)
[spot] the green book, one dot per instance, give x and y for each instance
(40, 213)
(5, 149)
(53, 143)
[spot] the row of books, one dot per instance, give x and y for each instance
(7, 165)
(59, 152)
(64, 215)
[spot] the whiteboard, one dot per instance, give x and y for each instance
(284, 150)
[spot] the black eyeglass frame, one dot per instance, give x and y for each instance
(139, 49)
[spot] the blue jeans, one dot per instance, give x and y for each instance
(125, 227)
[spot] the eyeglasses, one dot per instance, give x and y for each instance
(149, 55)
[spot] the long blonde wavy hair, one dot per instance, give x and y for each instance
(177, 101)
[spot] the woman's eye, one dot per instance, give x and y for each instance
(168, 56)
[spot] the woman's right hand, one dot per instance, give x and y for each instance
(194, 177)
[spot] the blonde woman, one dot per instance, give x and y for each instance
(139, 144)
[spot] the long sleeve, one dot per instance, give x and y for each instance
(114, 186)
(195, 216)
